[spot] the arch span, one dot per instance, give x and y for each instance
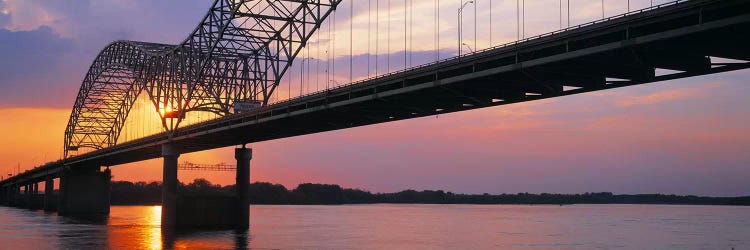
(238, 52)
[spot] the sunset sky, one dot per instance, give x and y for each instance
(689, 136)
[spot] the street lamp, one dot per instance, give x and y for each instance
(302, 74)
(336, 83)
(460, 23)
(470, 50)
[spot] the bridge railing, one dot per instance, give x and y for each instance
(447, 62)
(579, 26)
(505, 45)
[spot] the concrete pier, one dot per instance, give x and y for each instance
(36, 201)
(50, 203)
(13, 193)
(84, 191)
(201, 211)
(17, 196)
(27, 193)
(169, 187)
(243, 156)
(218, 211)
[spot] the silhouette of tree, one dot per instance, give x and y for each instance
(142, 193)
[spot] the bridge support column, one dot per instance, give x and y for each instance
(19, 198)
(13, 195)
(35, 202)
(50, 204)
(84, 191)
(243, 156)
(8, 195)
(169, 187)
(27, 193)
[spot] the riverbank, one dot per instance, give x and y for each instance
(141, 193)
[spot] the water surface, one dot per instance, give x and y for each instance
(384, 226)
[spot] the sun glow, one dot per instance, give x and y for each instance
(169, 110)
(153, 240)
(165, 109)
(145, 118)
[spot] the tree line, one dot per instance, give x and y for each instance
(142, 193)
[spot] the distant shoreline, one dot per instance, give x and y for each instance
(262, 193)
(505, 204)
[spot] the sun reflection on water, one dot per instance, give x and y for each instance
(139, 227)
(153, 234)
(134, 227)
(389, 226)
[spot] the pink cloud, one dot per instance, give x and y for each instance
(667, 95)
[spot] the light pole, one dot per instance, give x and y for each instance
(460, 23)
(302, 74)
(336, 83)
(470, 50)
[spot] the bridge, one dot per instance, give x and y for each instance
(234, 61)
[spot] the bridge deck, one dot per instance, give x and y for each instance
(610, 53)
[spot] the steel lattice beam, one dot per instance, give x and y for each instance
(206, 167)
(240, 51)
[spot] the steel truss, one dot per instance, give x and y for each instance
(206, 167)
(238, 52)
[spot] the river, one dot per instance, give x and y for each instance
(386, 226)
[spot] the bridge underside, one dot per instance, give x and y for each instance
(617, 53)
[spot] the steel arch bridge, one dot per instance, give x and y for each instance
(238, 53)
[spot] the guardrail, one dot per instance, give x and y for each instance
(505, 45)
